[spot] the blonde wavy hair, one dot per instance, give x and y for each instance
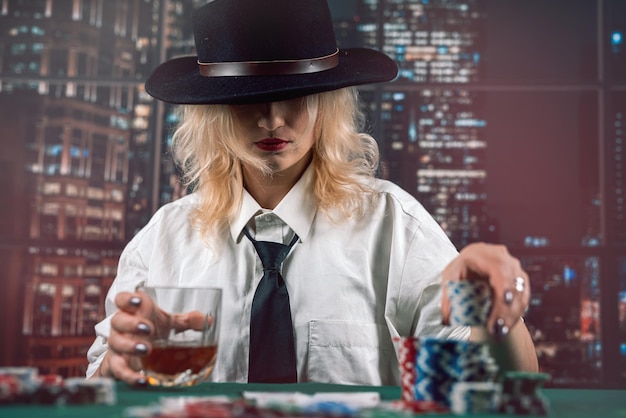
(208, 149)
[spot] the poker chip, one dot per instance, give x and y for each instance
(521, 393)
(524, 405)
(99, 390)
(51, 390)
(209, 409)
(442, 363)
(143, 411)
(9, 388)
(407, 355)
(330, 408)
(470, 302)
(26, 385)
(463, 375)
(189, 407)
(475, 397)
(50, 380)
(421, 407)
(19, 383)
(523, 383)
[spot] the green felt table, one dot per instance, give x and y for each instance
(564, 402)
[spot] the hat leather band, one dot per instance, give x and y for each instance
(283, 67)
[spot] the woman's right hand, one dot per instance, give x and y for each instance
(136, 322)
(129, 339)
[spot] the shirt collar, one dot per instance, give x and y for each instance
(297, 209)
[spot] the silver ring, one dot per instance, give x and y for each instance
(500, 328)
(520, 284)
(508, 296)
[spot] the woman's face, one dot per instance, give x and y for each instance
(280, 133)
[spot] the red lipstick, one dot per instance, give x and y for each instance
(271, 144)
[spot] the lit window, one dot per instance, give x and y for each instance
(50, 209)
(94, 212)
(117, 195)
(46, 289)
(37, 31)
(17, 49)
(71, 190)
(52, 188)
(95, 193)
(117, 215)
(49, 269)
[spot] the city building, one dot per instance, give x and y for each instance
(68, 94)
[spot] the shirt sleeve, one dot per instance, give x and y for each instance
(416, 288)
(131, 273)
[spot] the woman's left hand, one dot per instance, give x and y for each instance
(509, 283)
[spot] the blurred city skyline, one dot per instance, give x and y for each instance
(505, 122)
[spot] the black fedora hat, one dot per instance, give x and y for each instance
(251, 51)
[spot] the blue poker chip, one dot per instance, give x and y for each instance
(475, 397)
(440, 364)
(452, 357)
(470, 302)
(331, 408)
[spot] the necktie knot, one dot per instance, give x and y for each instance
(272, 254)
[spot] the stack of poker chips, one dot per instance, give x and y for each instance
(448, 371)
(407, 355)
(444, 364)
(26, 385)
(475, 397)
(430, 367)
(462, 375)
(99, 391)
(470, 302)
(16, 383)
(521, 394)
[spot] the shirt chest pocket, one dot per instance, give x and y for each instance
(351, 353)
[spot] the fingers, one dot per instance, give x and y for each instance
(130, 327)
(134, 303)
(129, 339)
(511, 297)
(138, 321)
(194, 320)
(125, 368)
(509, 283)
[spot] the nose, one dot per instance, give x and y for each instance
(271, 116)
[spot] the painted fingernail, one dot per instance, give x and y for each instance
(135, 301)
(143, 328)
(141, 348)
(508, 296)
(500, 329)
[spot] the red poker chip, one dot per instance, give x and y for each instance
(208, 409)
(51, 380)
(407, 353)
(9, 387)
(423, 407)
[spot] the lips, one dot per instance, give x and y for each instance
(271, 144)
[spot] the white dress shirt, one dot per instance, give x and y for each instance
(354, 284)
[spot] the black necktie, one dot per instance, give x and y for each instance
(272, 350)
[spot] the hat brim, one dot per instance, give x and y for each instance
(178, 81)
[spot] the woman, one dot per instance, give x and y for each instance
(270, 139)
